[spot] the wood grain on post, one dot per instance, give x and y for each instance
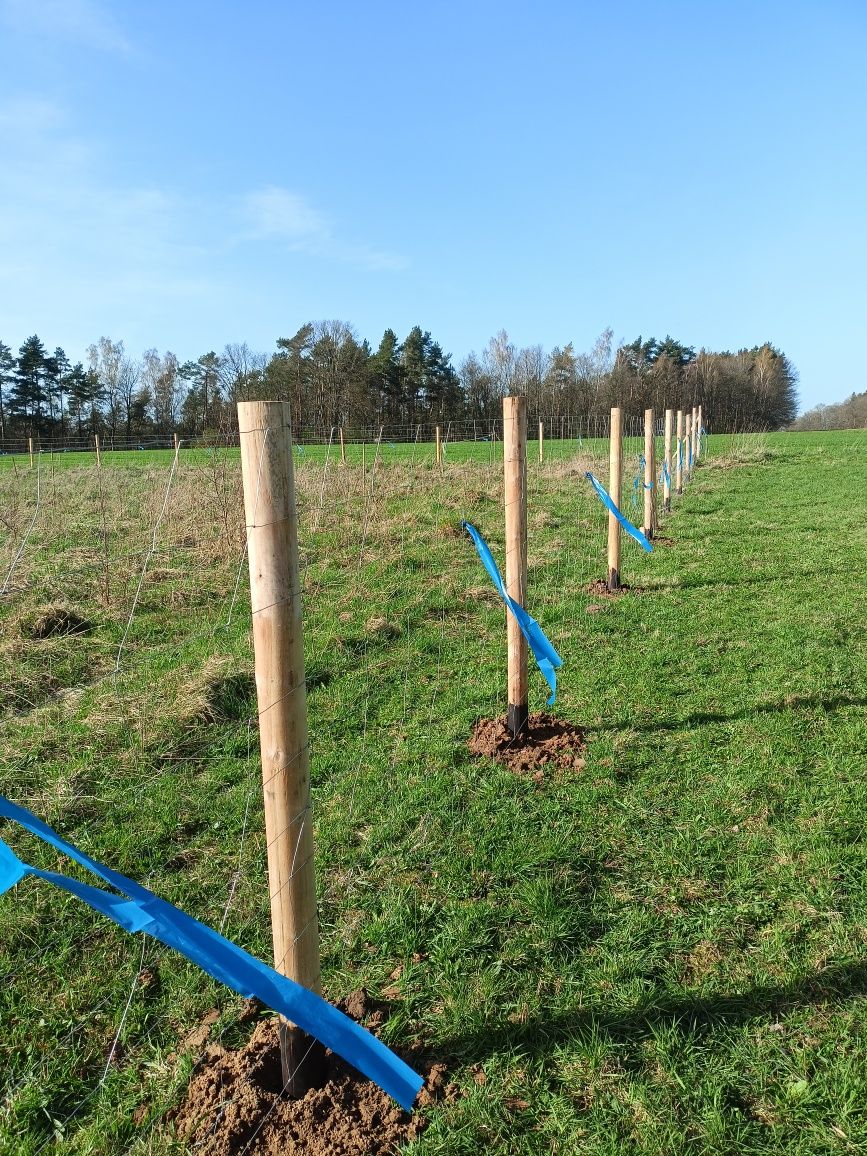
(649, 473)
(177, 443)
(666, 473)
(342, 448)
(98, 458)
(515, 464)
(615, 471)
(541, 442)
(275, 596)
(694, 434)
(30, 450)
(678, 469)
(700, 427)
(439, 446)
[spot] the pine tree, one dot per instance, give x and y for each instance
(27, 400)
(7, 364)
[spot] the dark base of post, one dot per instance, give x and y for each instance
(613, 581)
(648, 532)
(667, 506)
(303, 1060)
(679, 491)
(516, 719)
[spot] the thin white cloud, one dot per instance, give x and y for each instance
(80, 22)
(79, 248)
(84, 251)
(276, 213)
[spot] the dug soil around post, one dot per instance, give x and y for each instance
(545, 744)
(599, 589)
(235, 1103)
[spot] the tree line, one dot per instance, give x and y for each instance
(333, 378)
(848, 414)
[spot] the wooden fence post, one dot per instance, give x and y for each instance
(439, 441)
(649, 475)
(541, 441)
(515, 463)
(690, 457)
(30, 450)
(666, 472)
(698, 442)
(678, 470)
(98, 458)
(275, 594)
(615, 471)
(177, 443)
(342, 448)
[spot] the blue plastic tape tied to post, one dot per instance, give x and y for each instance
(633, 531)
(666, 474)
(544, 653)
(137, 909)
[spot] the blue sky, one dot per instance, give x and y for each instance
(186, 174)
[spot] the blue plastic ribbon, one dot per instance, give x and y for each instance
(624, 522)
(666, 474)
(690, 453)
(642, 461)
(138, 909)
(544, 653)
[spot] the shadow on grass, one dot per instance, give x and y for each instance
(694, 1015)
(751, 580)
(704, 718)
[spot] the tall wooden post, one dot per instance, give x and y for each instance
(439, 439)
(615, 472)
(700, 427)
(541, 442)
(678, 471)
(275, 595)
(666, 473)
(342, 448)
(30, 450)
(515, 462)
(649, 475)
(694, 434)
(177, 443)
(98, 458)
(688, 447)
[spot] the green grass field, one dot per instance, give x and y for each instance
(663, 953)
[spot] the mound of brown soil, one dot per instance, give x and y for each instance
(599, 589)
(234, 1103)
(544, 743)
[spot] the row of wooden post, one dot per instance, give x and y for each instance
(688, 449)
(275, 594)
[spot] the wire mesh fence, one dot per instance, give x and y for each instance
(130, 721)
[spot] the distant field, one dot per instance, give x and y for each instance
(386, 452)
(663, 953)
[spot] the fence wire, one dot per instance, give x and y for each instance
(130, 721)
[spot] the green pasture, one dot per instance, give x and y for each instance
(664, 952)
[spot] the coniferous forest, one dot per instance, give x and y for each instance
(334, 378)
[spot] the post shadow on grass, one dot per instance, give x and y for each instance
(665, 586)
(705, 718)
(687, 1014)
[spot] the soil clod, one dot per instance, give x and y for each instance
(545, 743)
(235, 1104)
